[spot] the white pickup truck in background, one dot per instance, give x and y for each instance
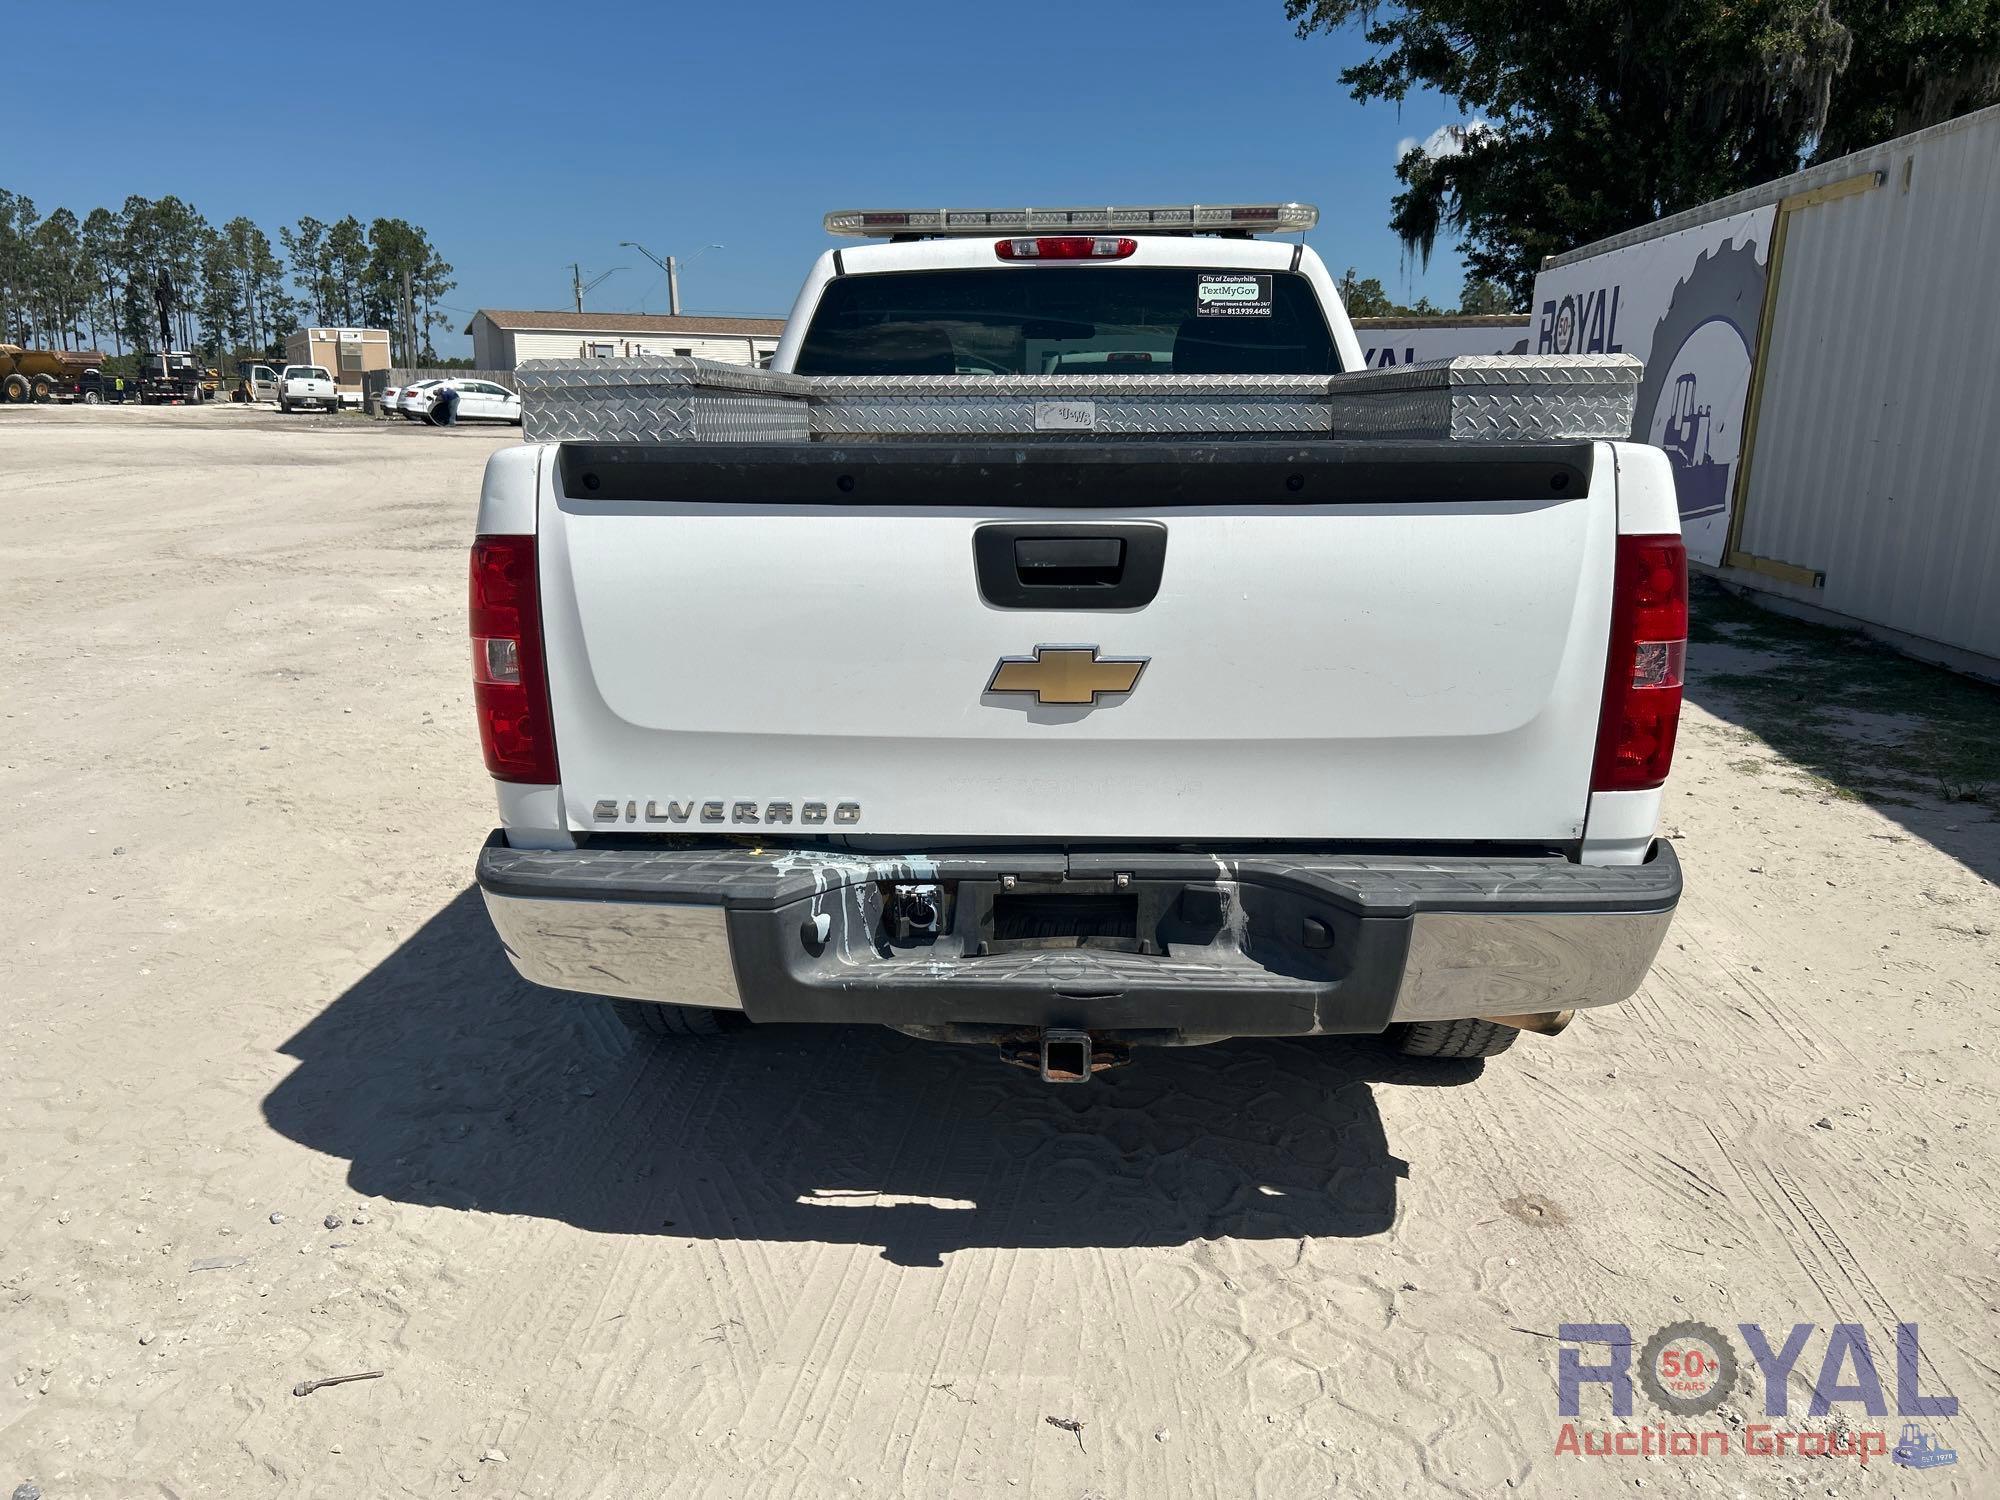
(1060, 648)
(307, 385)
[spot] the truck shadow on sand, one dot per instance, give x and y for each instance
(444, 1079)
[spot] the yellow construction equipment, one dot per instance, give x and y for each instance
(43, 374)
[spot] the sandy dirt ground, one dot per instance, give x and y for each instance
(274, 1107)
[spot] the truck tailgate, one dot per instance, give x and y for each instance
(1344, 641)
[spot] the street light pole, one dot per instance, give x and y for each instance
(672, 266)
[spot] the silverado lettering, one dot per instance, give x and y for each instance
(613, 810)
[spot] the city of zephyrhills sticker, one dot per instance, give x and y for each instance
(1231, 294)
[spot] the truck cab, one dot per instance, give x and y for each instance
(1188, 304)
(255, 382)
(1152, 700)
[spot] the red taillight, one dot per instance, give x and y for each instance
(1066, 247)
(509, 688)
(1642, 674)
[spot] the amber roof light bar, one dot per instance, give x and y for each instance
(1183, 218)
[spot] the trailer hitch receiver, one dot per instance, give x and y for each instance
(1065, 1056)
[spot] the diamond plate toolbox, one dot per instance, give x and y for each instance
(1068, 407)
(1472, 398)
(657, 399)
(1490, 398)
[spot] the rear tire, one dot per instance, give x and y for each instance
(284, 406)
(45, 388)
(1453, 1039)
(649, 1018)
(15, 389)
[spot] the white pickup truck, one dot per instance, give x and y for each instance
(927, 682)
(307, 385)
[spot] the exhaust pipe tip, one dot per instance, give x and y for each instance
(1545, 1022)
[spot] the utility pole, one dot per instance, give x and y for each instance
(409, 322)
(578, 286)
(672, 266)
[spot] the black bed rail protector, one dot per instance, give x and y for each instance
(1108, 474)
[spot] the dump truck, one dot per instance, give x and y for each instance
(45, 374)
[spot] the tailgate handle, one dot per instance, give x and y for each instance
(1082, 561)
(1069, 565)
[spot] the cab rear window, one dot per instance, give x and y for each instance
(1069, 320)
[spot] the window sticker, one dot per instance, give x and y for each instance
(1229, 294)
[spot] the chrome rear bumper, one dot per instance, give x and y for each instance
(1298, 943)
(629, 949)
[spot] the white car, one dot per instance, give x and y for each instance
(386, 402)
(478, 401)
(406, 397)
(1273, 706)
(307, 385)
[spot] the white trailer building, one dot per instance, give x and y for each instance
(502, 338)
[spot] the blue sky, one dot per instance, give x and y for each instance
(527, 136)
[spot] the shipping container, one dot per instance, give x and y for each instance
(1821, 369)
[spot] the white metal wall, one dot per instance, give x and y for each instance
(1388, 341)
(491, 348)
(1877, 457)
(724, 348)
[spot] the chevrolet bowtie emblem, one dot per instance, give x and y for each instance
(1066, 674)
